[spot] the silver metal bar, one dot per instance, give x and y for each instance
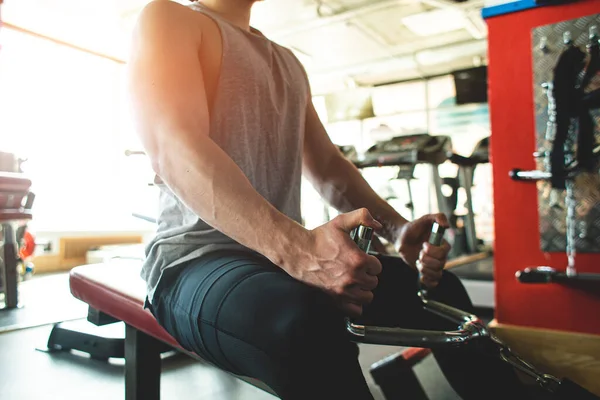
(530, 175)
(469, 326)
(465, 175)
(134, 153)
(571, 251)
(413, 337)
(450, 313)
(437, 183)
(410, 199)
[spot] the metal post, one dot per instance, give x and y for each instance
(410, 200)
(11, 293)
(437, 183)
(465, 176)
(142, 365)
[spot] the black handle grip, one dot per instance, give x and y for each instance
(536, 275)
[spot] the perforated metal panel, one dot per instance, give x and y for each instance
(552, 209)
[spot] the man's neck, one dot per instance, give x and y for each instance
(235, 11)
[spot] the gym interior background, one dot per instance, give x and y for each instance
(438, 102)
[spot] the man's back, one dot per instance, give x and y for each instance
(257, 94)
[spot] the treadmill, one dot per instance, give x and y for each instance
(405, 152)
(475, 267)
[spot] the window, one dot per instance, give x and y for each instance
(64, 110)
(426, 106)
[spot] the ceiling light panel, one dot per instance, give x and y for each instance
(387, 22)
(435, 22)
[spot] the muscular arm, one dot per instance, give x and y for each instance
(170, 110)
(339, 182)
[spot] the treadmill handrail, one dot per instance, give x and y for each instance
(467, 161)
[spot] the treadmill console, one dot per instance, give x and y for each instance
(408, 150)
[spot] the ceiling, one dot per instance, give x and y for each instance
(342, 43)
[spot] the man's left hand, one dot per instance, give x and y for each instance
(413, 245)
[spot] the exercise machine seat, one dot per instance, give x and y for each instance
(15, 198)
(16, 201)
(116, 289)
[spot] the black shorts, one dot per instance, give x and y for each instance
(249, 317)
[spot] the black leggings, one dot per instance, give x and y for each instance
(249, 317)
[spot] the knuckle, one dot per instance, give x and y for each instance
(346, 282)
(338, 290)
(355, 259)
(363, 212)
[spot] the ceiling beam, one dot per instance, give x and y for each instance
(26, 31)
(367, 7)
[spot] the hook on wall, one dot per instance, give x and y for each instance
(594, 33)
(544, 45)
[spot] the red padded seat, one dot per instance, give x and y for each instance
(117, 289)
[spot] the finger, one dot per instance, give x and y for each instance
(358, 296)
(351, 309)
(434, 275)
(351, 220)
(367, 282)
(429, 262)
(440, 218)
(430, 283)
(437, 252)
(373, 266)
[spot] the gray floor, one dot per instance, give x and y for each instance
(45, 299)
(28, 374)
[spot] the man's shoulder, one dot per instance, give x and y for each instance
(163, 14)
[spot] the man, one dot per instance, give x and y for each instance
(226, 118)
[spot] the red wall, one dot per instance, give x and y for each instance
(517, 242)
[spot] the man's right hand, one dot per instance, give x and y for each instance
(332, 262)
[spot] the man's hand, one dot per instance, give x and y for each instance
(412, 244)
(332, 262)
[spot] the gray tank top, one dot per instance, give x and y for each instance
(258, 119)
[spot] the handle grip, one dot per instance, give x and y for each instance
(469, 326)
(437, 234)
(362, 236)
(536, 275)
(436, 237)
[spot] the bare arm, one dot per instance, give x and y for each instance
(339, 182)
(171, 113)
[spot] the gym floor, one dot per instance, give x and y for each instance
(29, 374)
